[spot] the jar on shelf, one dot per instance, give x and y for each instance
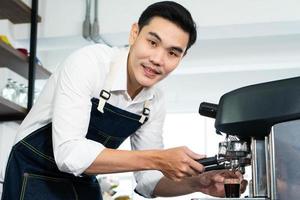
(22, 95)
(9, 91)
(16, 93)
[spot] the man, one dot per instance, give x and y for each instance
(98, 98)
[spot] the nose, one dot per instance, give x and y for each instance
(157, 57)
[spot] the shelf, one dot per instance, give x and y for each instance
(10, 111)
(17, 62)
(16, 11)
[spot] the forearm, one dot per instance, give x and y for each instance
(168, 188)
(114, 161)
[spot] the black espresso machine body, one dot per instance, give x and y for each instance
(251, 111)
(261, 124)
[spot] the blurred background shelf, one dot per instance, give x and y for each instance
(11, 111)
(17, 62)
(16, 11)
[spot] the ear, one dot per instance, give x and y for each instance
(133, 33)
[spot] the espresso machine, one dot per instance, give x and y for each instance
(262, 127)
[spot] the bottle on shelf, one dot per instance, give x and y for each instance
(16, 94)
(9, 92)
(22, 95)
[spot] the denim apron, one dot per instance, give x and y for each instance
(31, 172)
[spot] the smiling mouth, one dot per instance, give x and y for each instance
(150, 71)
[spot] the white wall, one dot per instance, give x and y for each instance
(61, 18)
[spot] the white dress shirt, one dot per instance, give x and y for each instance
(65, 101)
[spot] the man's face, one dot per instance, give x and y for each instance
(155, 51)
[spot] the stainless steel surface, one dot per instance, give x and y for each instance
(253, 167)
(233, 138)
(250, 188)
(234, 164)
(236, 154)
(229, 198)
(258, 168)
(287, 153)
(272, 166)
(268, 173)
(95, 35)
(86, 27)
(223, 148)
(233, 155)
(237, 146)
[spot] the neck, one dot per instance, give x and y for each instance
(133, 89)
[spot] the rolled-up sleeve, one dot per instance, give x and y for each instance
(149, 136)
(73, 152)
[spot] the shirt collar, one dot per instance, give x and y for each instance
(120, 82)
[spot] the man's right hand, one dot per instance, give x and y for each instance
(178, 163)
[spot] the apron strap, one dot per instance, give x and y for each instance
(104, 96)
(146, 112)
(105, 92)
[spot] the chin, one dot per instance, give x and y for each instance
(147, 83)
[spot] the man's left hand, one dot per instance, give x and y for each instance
(212, 182)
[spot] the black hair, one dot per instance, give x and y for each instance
(173, 12)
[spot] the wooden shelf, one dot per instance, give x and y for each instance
(18, 62)
(16, 11)
(11, 111)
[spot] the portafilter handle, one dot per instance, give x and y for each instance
(212, 163)
(208, 161)
(215, 167)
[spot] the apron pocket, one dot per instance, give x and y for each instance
(37, 187)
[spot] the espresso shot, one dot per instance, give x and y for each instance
(232, 187)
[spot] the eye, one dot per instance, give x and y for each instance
(152, 43)
(172, 53)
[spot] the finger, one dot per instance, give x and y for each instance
(194, 155)
(230, 174)
(226, 173)
(219, 178)
(244, 184)
(216, 176)
(221, 175)
(196, 166)
(239, 175)
(190, 172)
(205, 179)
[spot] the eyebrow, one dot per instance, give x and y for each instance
(178, 49)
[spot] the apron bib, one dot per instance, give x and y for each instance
(31, 172)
